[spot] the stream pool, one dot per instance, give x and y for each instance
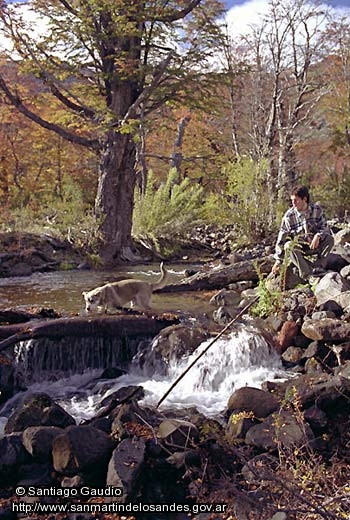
(62, 290)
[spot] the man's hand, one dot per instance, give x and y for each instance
(315, 242)
(276, 267)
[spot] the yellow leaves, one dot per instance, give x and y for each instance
(239, 416)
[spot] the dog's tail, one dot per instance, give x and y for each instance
(163, 280)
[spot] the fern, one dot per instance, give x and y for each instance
(171, 207)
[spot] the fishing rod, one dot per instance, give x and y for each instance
(243, 311)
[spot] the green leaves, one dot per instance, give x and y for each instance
(171, 207)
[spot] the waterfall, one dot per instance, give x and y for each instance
(243, 358)
(46, 359)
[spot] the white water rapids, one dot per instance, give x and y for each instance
(243, 358)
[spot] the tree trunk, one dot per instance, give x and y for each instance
(115, 197)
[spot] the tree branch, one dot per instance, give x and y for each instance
(16, 101)
(178, 15)
(87, 112)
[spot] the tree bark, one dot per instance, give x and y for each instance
(115, 196)
(116, 326)
(221, 277)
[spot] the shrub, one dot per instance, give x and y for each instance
(249, 201)
(172, 207)
(67, 217)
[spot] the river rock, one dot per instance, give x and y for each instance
(123, 395)
(286, 336)
(328, 391)
(80, 449)
(254, 400)
(313, 366)
(329, 286)
(226, 298)
(279, 428)
(38, 440)
(251, 471)
(176, 341)
(38, 410)
(312, 350)
(343, 300)
(6, 378)
(331, 306)
(344, 370)
(238, 426)
(315, 417)
(223, 315)
(125, 466)
(12, 455)
(328, 355)
(345, 272)
(342, 237)
(36, 474)
(338, 259)
(130, 415)
(327, 329)
(292, 355)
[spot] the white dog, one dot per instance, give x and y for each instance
(117, 294)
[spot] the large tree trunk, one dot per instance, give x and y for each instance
(115, 197)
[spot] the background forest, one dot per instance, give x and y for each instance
(221, 128)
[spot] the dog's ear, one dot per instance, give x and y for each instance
(83, 293)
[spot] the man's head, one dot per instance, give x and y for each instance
(300, 197)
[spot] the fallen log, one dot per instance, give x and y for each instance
(11, 316)
(117, 326)
(220, 277)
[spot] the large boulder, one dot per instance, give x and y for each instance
(38, 410)
(81, 449)
(342, 237)
(12, 455)
(326, 329)
(176, 341)
(254, 400)
(125, 466)
(331, 393)
(281, 428)
(38, 440)
(330, 286)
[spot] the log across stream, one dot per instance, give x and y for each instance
(118, 326)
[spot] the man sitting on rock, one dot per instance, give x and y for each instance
(304, 234)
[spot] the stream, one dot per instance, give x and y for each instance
(62, 290)
(241, 358)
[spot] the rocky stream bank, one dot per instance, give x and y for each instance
(279, 452)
